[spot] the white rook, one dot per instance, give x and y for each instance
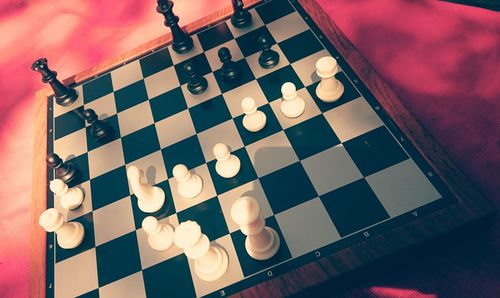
(329, 89)
(69, 234)
(149, 198)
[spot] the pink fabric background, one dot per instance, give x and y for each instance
(442, 59)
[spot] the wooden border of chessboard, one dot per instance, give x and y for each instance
(471, 205)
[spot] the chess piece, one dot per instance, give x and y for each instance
(99, 129)
(268, 58)
(65, 171)
(70, 198)
(292, 105)
(241, 17)
(227, 165)
(69, 234)
(182, 42)
(149, 198)
(254, 120)
(262, 242)
(160, 236)
(229, 70)
(65, 95)
(189, 184)
(211, 262)
(329, 89)
(197, 84)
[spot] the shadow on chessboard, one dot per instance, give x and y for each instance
(488, 4)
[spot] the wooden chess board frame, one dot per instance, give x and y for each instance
(470, 206)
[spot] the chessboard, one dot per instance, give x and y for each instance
(344, 184)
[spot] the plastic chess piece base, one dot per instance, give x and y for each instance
(228, 168)
(215, 273)
(75, 240)
(73, 199)
(165, 244)
(330, 96)
(192, 189)
(198, 88)
(241, 20)
(255, 122)
(293, 108)
(184, 46)
(67, 174)
(266, 252)
(67, 99)
(269, 60)
(155, 204)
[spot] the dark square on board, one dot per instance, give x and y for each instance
(209, 216)
(109, 187)
(91, 294)
(155, 62)
(165, 211)
(140, 143)
(88, 242)
(349, 94)
(353, 207)
(209, 113)
(271, 83)
(92, 142)
(274, 10)
(215, 36)
(272, 126)
(81, 162)
(187, 152)
(245, 76)
(97, 88)
(375, 151)
(248, 43)
(68, 123)
(300, 46)
(130, 96)
(117, 258)
(200, 64)
(167, 104)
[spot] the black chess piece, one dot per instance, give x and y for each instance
(65, 95)
(99, 129)
(268, 58)
(229, 70)
(182, 42)
(65, 171)
(197, 84)
(241, 17)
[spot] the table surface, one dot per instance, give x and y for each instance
(438, 57)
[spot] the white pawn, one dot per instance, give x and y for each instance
(189, 184)
(292, 105)
(70, 198)
(227, 165)
(149, 198)
(69, 234)
(329, 89)
(254, 120)
(160, 236)
(211, 262)
(262, 242)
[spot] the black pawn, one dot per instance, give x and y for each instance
(268, 58)
(196, 84)
(65, 95)
(241, 17)
(182, 42)
(65, 171)
(99, 129)
(229, 70)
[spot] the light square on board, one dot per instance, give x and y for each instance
(59, 110)
(259, 71)
(271, 154)
(305, 68)
(73, 144)
(129, 286)
(213, 57)
(76, 275)
(135, 118)
(161, 82)
(402, 188)
(151, 257)
(287, 26)
(153, 167)
(331, 169)
(106, 158)
(225, 133)
(207, 192)
(126, 75)
(234, 97)
(85, 208)
(252, 189)
(232, 275)
(175, 128)
(104, 107)
(212, 91)
(353, 119)
(256, 23)
(303, 236)
(178, 58)
(113, 221)
(311, 110)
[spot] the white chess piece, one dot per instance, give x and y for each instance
(262, 242)
(227, 165)
(189, 184)
(211, 261)
(329, 89)
(70, 198)
(254, 120)
(69, 234)
(160, 236)
(149, 198)
(292, 105)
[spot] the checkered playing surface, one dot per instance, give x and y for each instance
(335, 171)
